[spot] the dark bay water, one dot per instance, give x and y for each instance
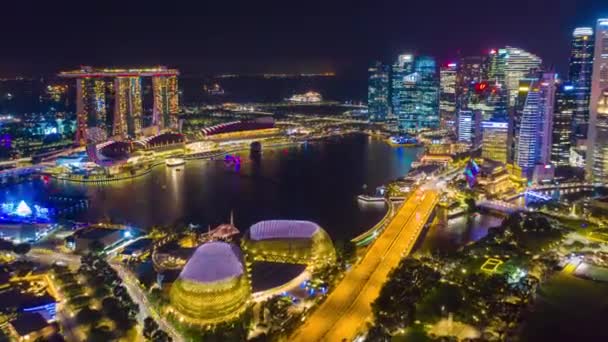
(318, 181)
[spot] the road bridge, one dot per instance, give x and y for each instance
(348, 307)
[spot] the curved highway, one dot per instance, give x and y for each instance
(347, 308)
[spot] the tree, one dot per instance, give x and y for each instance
(80, 301)
(470, 202)
(22, 249)
(161, 336)
(88, 316)
(96, 246)
(110, 306)
(150, 327)
(100, 334)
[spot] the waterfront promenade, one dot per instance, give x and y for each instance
(348, 306)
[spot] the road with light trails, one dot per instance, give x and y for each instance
(348, 307)
(145, 307)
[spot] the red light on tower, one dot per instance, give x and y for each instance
(481, 87)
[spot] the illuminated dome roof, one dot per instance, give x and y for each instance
(214, 261)
(213, 287)
(283, 229)
(292, 242)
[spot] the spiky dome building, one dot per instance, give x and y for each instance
(289, 241)
(213, 287)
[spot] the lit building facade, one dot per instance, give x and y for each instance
(448, 84)
(534, 136)
(166, 101)
(597, 135)
(494, 141)
(427, 93)
(508, 66)
(469, 127)
(378, 92)
(581, 69)
(128, 108)
(516, 115)
(90, 106)
(518, 65)
(565, 105)
(110, 100)
(465, 126)
(402, 88)
(415, 93)
(472, 70)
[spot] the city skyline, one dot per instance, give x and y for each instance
(265, 38)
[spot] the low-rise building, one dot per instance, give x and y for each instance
(29, 327)
(82, 239)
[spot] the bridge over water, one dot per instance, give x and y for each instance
(347, 308)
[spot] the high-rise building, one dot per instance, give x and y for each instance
(90, 106)
(494, 141)
(166, 101)
(509, 65)
(565, 106)
(128, 106)
(597, 136)
(516, 115)
(465, 126)
(378, 92)
(400, 90)
(534, 138)
(427, 90)
(448, 83)
(469, 127)
(105, 107)
(472, 70)
(581, 67)
(415, 93)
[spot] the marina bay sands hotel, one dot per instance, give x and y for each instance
(100, 90)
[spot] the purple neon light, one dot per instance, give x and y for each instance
(282, 229)
(214, 261)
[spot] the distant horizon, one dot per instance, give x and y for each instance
(246, 38)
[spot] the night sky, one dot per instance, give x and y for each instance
(288, 36)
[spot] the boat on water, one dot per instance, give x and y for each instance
(403, 141)
(371, 199)
(174, 162)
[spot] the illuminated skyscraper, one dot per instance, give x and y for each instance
(448, 83)
(416, 94)
(565, 105)
(378, 92)
(427, 93)
(401, 91)
(534, 138)
(516, 115)
(127, 106)
(465, 126)
(96, 94)
(469, 127)
(509, 65)
(472, 70)
(581, 68)
(166, 101)
(494, 141)
(597, 136)
(90, 106)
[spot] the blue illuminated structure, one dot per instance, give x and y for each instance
(233, 161)
(22, 212)
(470, 172)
